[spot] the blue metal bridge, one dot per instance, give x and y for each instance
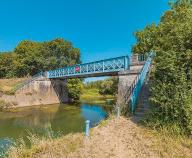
(107, 67)
(93, 69)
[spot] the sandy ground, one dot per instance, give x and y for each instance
(120, 138)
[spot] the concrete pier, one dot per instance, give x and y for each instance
(42, 91)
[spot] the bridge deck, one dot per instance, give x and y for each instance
(108, 67)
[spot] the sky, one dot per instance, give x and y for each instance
(100, 28)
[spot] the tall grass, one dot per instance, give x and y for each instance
(45, 146)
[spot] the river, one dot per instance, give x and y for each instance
(47, 120)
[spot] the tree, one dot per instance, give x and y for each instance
(93, 84)
(108, 86)
(6, 64)
(74, 89)
(32, 57)
(179, 2)
(171, 80)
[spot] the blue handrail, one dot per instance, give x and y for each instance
(139, 81)
(93, 68)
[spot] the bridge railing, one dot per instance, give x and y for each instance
(102, 66)
(28, 81)
(135, 89)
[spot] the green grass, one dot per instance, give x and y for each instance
(43, 147)
(93, 96)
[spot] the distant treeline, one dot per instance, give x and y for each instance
(108, 86)
(29, 57)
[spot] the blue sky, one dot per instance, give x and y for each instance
(100, 28)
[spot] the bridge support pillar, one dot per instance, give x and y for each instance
(59, 87)
(125, 82)
(43, 91)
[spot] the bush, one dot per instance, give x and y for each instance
(74, 89)
(171, 80)
(108, 86)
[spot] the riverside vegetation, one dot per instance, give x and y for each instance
(100, 91)
(171, 79)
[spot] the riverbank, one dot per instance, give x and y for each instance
(118, 138)
(91, 95)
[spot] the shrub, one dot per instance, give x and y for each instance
(74, 89)
(108, 86)
(171, 80)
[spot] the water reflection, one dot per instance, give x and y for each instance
(93, 113)
(44, 120)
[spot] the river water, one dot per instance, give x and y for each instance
(48, 120)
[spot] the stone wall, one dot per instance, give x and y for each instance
(126, 80)
(39, 92)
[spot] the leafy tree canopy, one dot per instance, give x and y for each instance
(171, 85)
(108, 86)
(74, 89)
(30, 57)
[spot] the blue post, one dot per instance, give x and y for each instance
(87, 128)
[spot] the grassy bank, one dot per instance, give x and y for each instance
(92, 95)
(46, 146)
(7, 85)
(113, 138)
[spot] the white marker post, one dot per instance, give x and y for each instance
(87, 128)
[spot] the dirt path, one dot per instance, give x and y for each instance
(120, 138)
